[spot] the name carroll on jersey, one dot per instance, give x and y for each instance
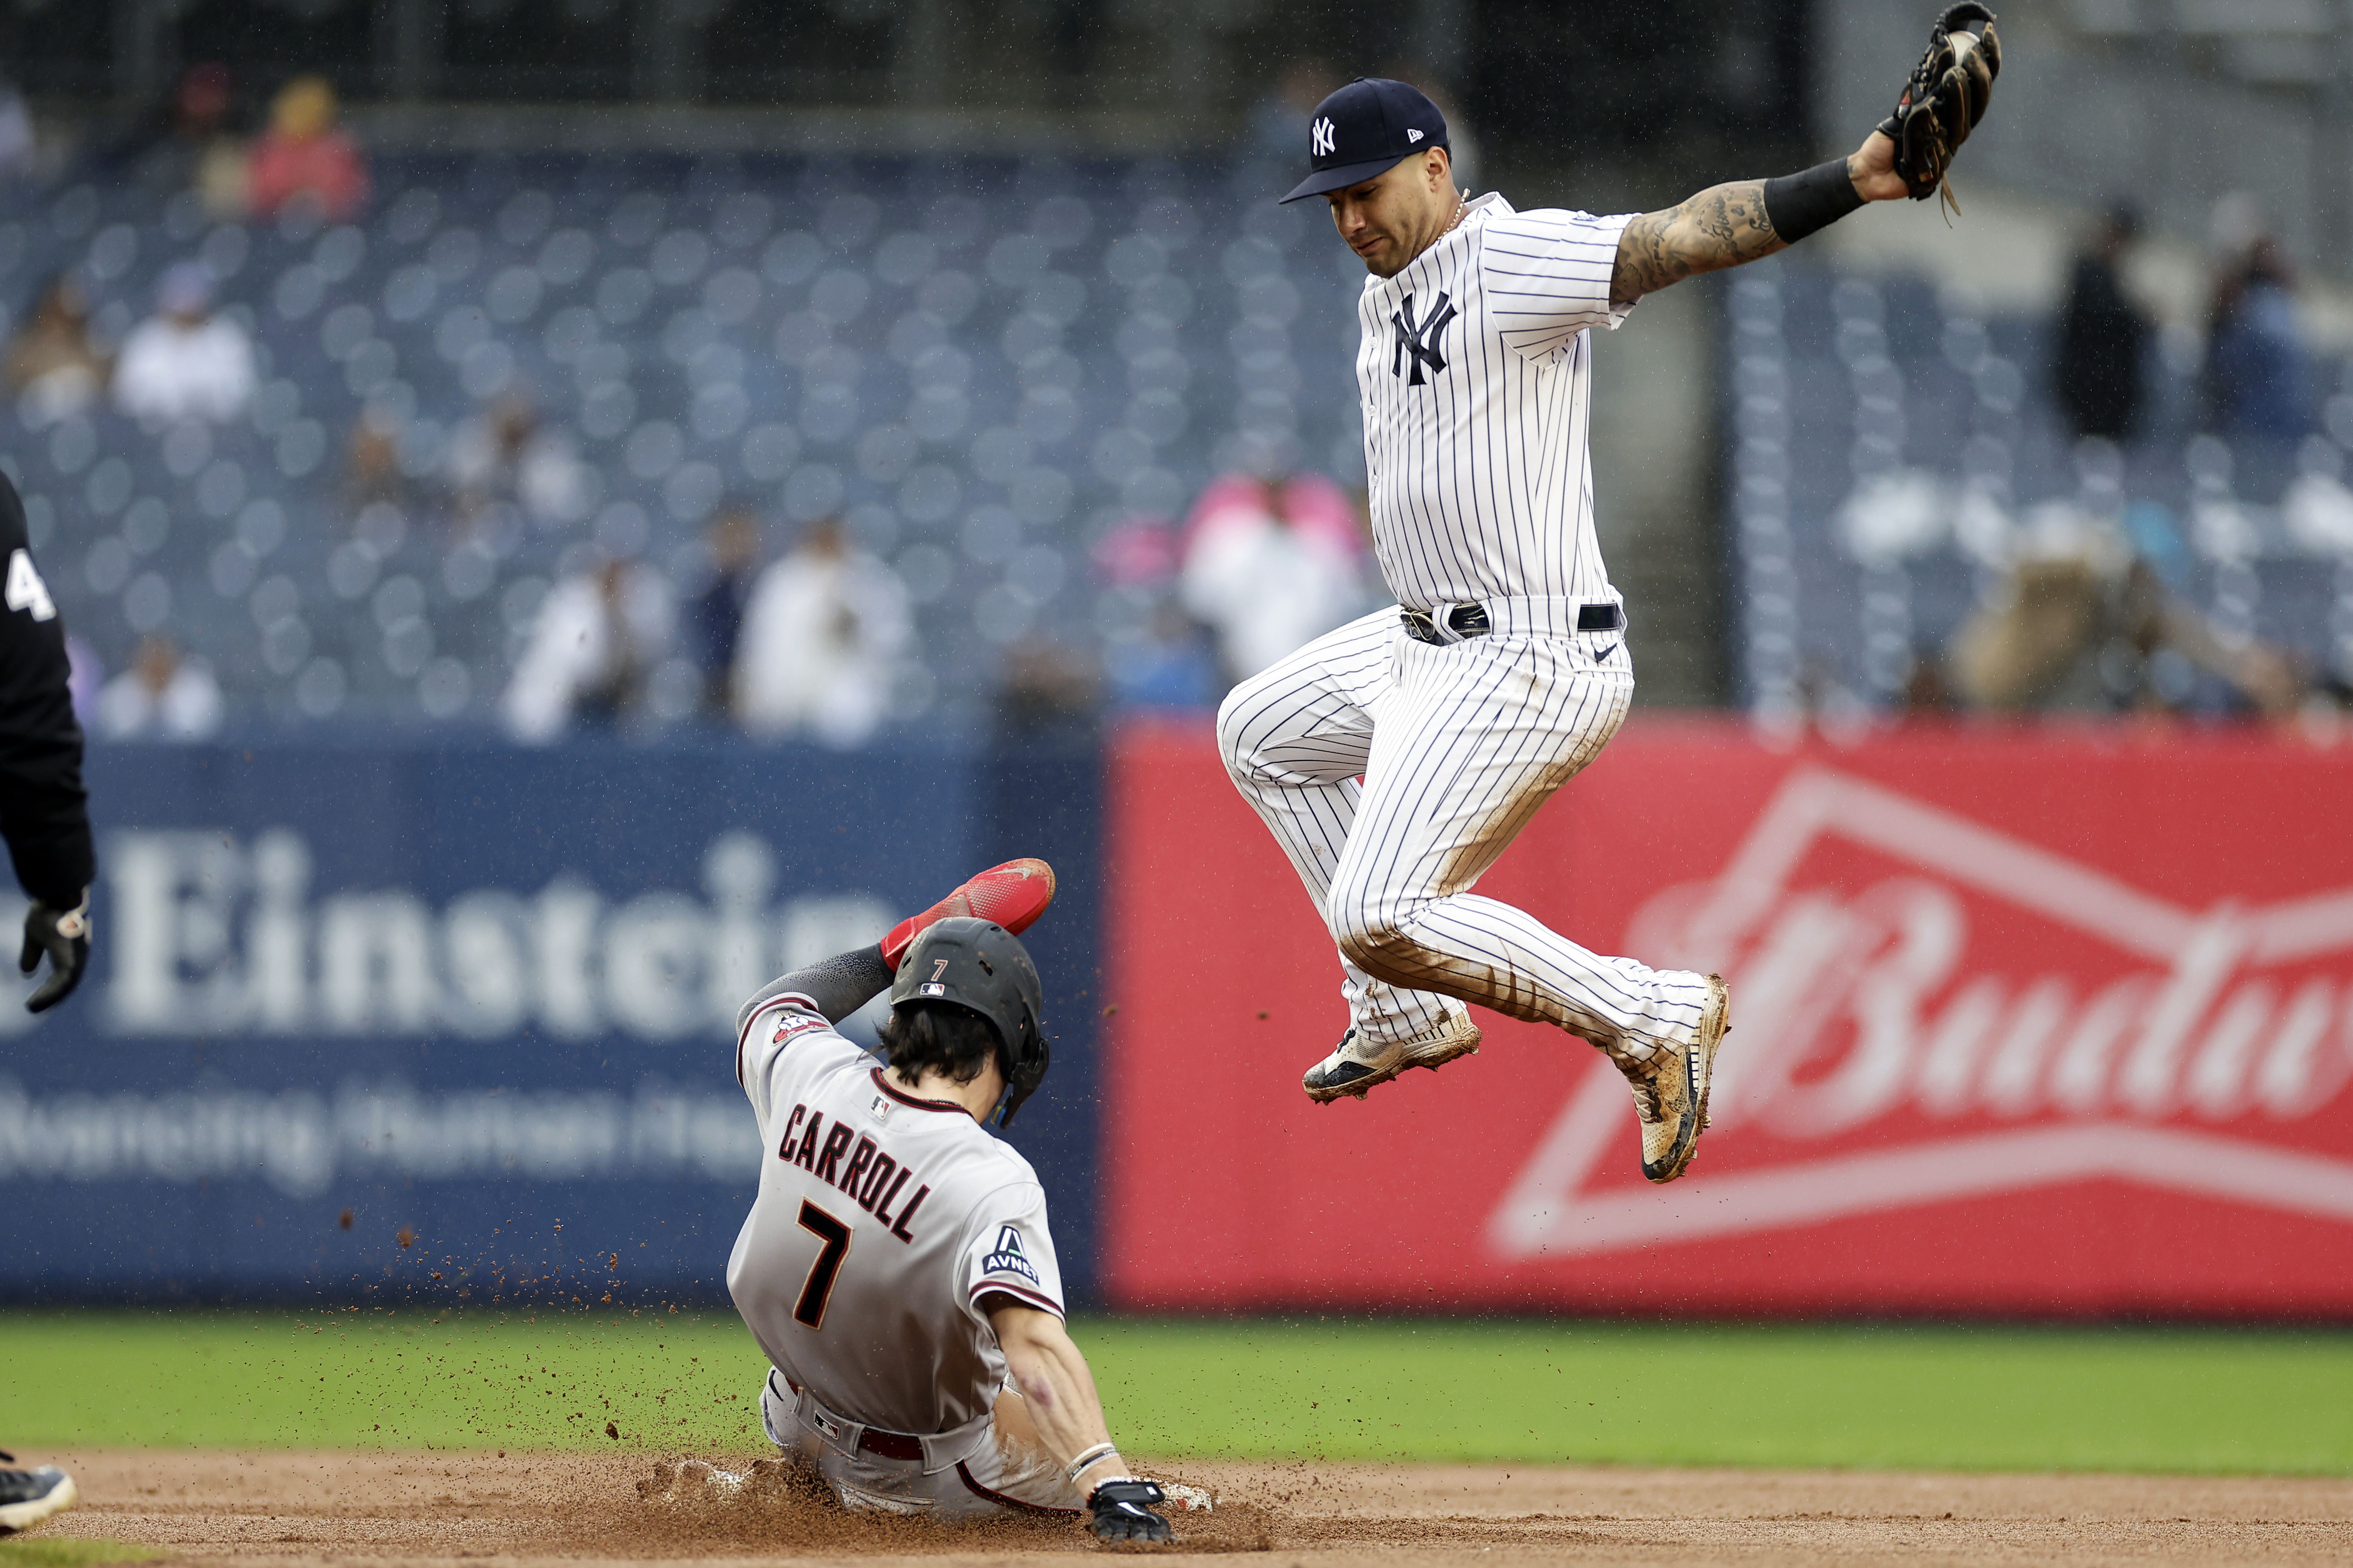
(841, 1156)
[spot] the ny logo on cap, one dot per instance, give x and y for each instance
(1319, 138)
(1419, 339)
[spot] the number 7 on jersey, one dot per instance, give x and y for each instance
(810, 1308)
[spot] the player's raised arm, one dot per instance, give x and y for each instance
(1058, 1394)
(1013, 895)
(1906, 155)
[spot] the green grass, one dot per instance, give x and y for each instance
(71, 1552)
(2196, 1400)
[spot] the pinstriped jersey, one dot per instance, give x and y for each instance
(882, 1223)
(1477, 377)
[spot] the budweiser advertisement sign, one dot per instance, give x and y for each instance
(2024, 1023)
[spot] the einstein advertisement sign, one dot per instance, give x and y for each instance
(2024, 1024)
(357, 1010)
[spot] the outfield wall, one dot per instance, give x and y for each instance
(2026, 1023)
(481, 998)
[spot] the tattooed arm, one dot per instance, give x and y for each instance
(1727, 225)
(1723, 226)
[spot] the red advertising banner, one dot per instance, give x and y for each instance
(2025, 1021)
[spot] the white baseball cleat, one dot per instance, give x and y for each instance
(1671, 1090)
(1355, 1065)
(29, 1497)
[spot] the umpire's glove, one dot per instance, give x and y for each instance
(1122, 1513)
(64, 936)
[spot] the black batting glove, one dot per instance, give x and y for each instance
(1122, 1514)
(64, 936)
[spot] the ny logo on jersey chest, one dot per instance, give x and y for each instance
(1419, 339)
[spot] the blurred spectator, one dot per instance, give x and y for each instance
(53, 365)
(17, 144)
(163, 697)
(184, 363)
(206, 124)
(2089, 624)
(504, 455)
(303, 157)
(1268, 568)
(715, 620)
(2101, 337)
(188, 142)
(2257, 374)
(1142, 552)
(822, 636)
(598, 637)
(1171, 666)
(1044, 684)
(372, 471)
(86, 676)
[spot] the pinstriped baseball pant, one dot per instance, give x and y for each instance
(1458, 746)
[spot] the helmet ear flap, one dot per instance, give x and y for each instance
(1030, 1058)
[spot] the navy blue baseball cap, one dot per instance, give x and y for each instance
(1367, 128)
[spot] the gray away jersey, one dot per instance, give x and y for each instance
(881, 1221)
(1477, 378)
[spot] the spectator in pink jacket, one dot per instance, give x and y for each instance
(303, 156)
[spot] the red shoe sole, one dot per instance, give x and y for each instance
(1013, 895)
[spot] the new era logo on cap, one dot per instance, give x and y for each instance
(1381, 123)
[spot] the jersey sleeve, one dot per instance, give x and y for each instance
(1011, 1250)
(1546, 277)
(768, 1032)
(44, 810)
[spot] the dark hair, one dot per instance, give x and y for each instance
(939, 1037)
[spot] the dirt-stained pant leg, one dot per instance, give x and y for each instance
(997, 1479)
(1294, 738)
(1472, 739)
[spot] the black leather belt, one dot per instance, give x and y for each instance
(1471, 621)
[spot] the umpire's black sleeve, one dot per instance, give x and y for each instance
(44, 811)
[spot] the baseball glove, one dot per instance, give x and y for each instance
(1121, 1514)
(1944, 100)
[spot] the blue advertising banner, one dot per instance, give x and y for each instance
(368, 1019)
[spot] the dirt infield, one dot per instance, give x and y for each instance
(295, 1510)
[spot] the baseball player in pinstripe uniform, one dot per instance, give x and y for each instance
(1503, 669)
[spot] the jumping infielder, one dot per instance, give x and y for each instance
(1504, 671)
(896, 1265)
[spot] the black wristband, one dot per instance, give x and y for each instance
(1798, 205)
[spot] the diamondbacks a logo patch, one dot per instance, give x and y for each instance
(1420, 338)
(1009, 1257)
(791, 1024)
